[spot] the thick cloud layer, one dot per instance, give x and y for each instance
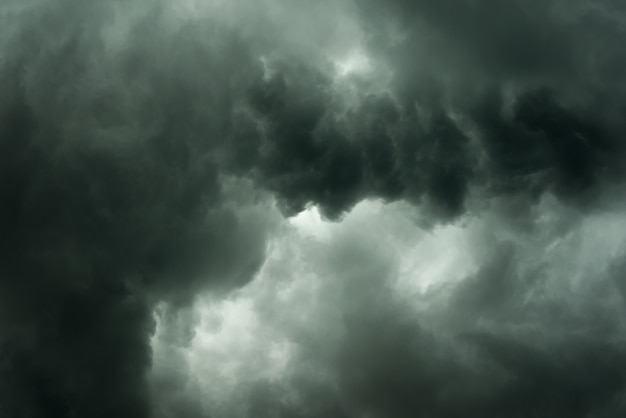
(110, 203)
(396, 321)
(143, 145)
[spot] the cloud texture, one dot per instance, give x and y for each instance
(154, 156)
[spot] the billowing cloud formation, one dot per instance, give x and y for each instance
(461, 110)
(396, 321)
(143, 145)
(109, 204)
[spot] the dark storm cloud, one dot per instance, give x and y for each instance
(517, 100)
(525, 335)
(119, 125)
(533, 88)
(561, 59)
(307, 153)
(522, 335)
(109, 204)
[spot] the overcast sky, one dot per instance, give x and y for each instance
(312, 209)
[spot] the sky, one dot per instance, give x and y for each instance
(298, 209)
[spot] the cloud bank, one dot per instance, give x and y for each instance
(169, 171)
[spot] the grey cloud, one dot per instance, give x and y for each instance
(505, 99)
(109, 204)
(120, 124)
(522, 335)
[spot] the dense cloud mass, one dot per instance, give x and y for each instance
(393, 320)
(350, 208)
